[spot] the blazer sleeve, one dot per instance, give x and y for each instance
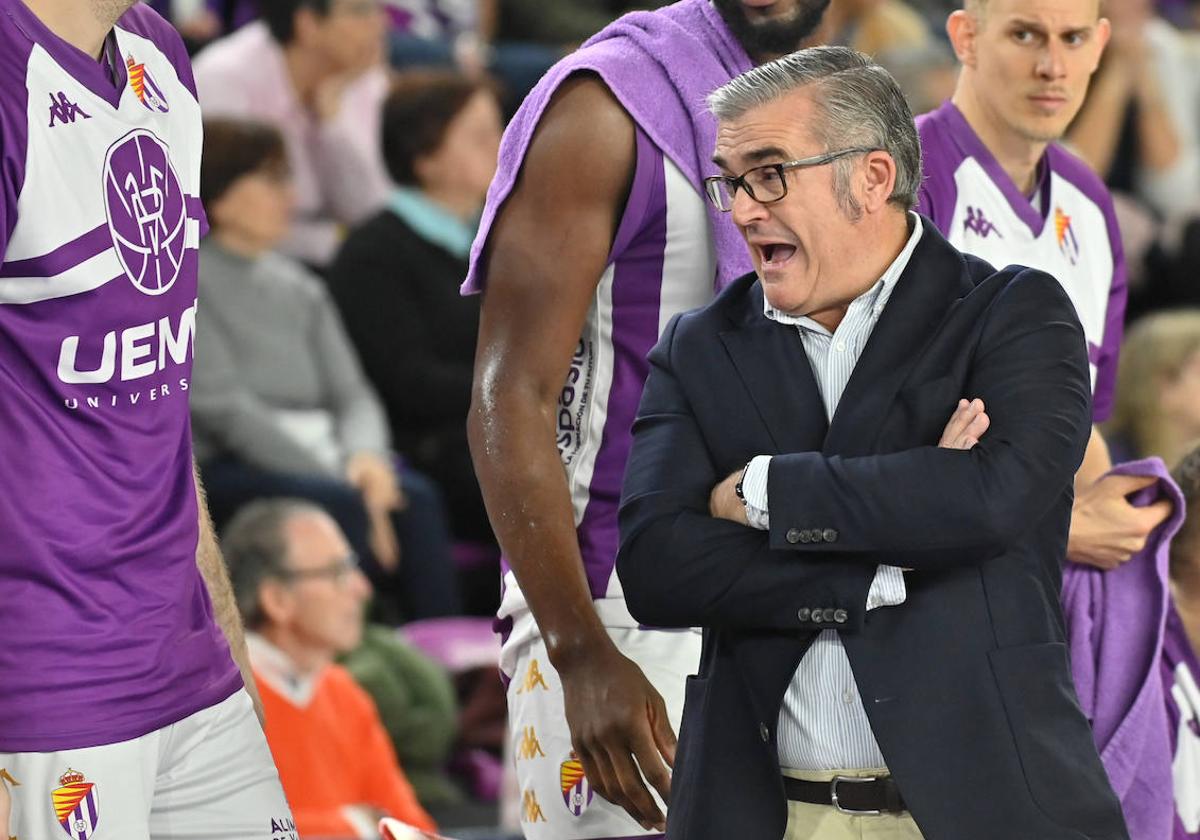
(1031, 370)
(679, 566)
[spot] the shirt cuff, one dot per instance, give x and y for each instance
(887, 589)
(754, 491)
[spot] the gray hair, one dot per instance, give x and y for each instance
(858, 104)
(256, 549)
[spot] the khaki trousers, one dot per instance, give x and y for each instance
(824, 822)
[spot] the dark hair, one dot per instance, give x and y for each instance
(416, 114)
(256, 548)
(234, 148)
(280, 15)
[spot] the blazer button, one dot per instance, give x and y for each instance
(840, 616)
(764, 732)
(830, 535)
(792, 536)
(827, 614)
(806, 536)
(803, 613)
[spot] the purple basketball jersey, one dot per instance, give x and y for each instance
(106, 625)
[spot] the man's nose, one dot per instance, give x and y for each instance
(1052, 61)
(744, 210)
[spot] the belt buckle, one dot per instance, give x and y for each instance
(833, 795)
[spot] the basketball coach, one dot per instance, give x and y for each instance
(854, 470)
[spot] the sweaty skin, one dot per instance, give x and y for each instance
(547, 252)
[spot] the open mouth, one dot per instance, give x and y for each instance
(776, 254)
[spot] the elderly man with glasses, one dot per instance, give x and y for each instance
(301, 595)
(878, 587)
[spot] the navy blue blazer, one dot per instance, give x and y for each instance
(966, 684)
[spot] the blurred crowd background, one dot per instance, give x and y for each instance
(349, 146)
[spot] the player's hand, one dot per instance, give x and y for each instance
(966, 425)
(1106, 530)
(723, 502)
(620, 732)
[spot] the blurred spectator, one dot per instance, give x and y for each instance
(564, 24)
(878, 28)
(314, 69)
(280, 406)
(1140, 125)
(1157, 409)
(396, 278)
(1181, 665)
(301, 596)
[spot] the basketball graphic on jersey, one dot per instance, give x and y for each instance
(146, 212)
(76, 805)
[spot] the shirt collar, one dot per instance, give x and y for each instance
(276, 668)
(876, 297)
(433, 222)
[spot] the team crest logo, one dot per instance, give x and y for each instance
(576, 792)
(144, 88)
(146, 212)
(76, 805)
(1067, 243)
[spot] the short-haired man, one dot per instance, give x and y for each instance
(997, 185)
(595, 234)
(301, 594)
(884, 652)
(121, 709)
(312, 68)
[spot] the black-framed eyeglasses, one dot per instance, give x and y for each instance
(337, 572)
(766, 184)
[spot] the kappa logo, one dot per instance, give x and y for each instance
(978, 224)
(533, 679)
(76, 805)
(7, 779)
(529, 747)
(63, 110)
(531, 811)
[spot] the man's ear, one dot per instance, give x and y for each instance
(275, 600)
(963, 28)
(879, 179)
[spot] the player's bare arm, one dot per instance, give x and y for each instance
(548, 250)
(220, 592)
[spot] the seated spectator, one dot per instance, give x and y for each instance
(280, 406)
(313, 69)
(396, 278)
(1157, 408)
(879, 28)
(301, 596)
(1181, 665)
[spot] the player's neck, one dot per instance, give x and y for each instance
(86, 30)
(1017, 155)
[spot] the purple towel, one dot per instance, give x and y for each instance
(1181, 673)
(1115, 624)
(660, 65)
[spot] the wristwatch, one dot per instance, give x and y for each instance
(737, 488)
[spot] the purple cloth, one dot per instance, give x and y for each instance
(1115, 624)
(1180, 667)
(660, 65)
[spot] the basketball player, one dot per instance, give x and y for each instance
(998, 185)
(595, 234)
(122, 711)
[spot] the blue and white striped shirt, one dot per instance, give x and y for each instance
(822, 723)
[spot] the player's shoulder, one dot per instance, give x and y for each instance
(941, 132)
(1071, 168)
(144, 22)
(16, 43)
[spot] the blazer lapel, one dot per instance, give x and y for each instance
(930, 286)
(774, 367)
